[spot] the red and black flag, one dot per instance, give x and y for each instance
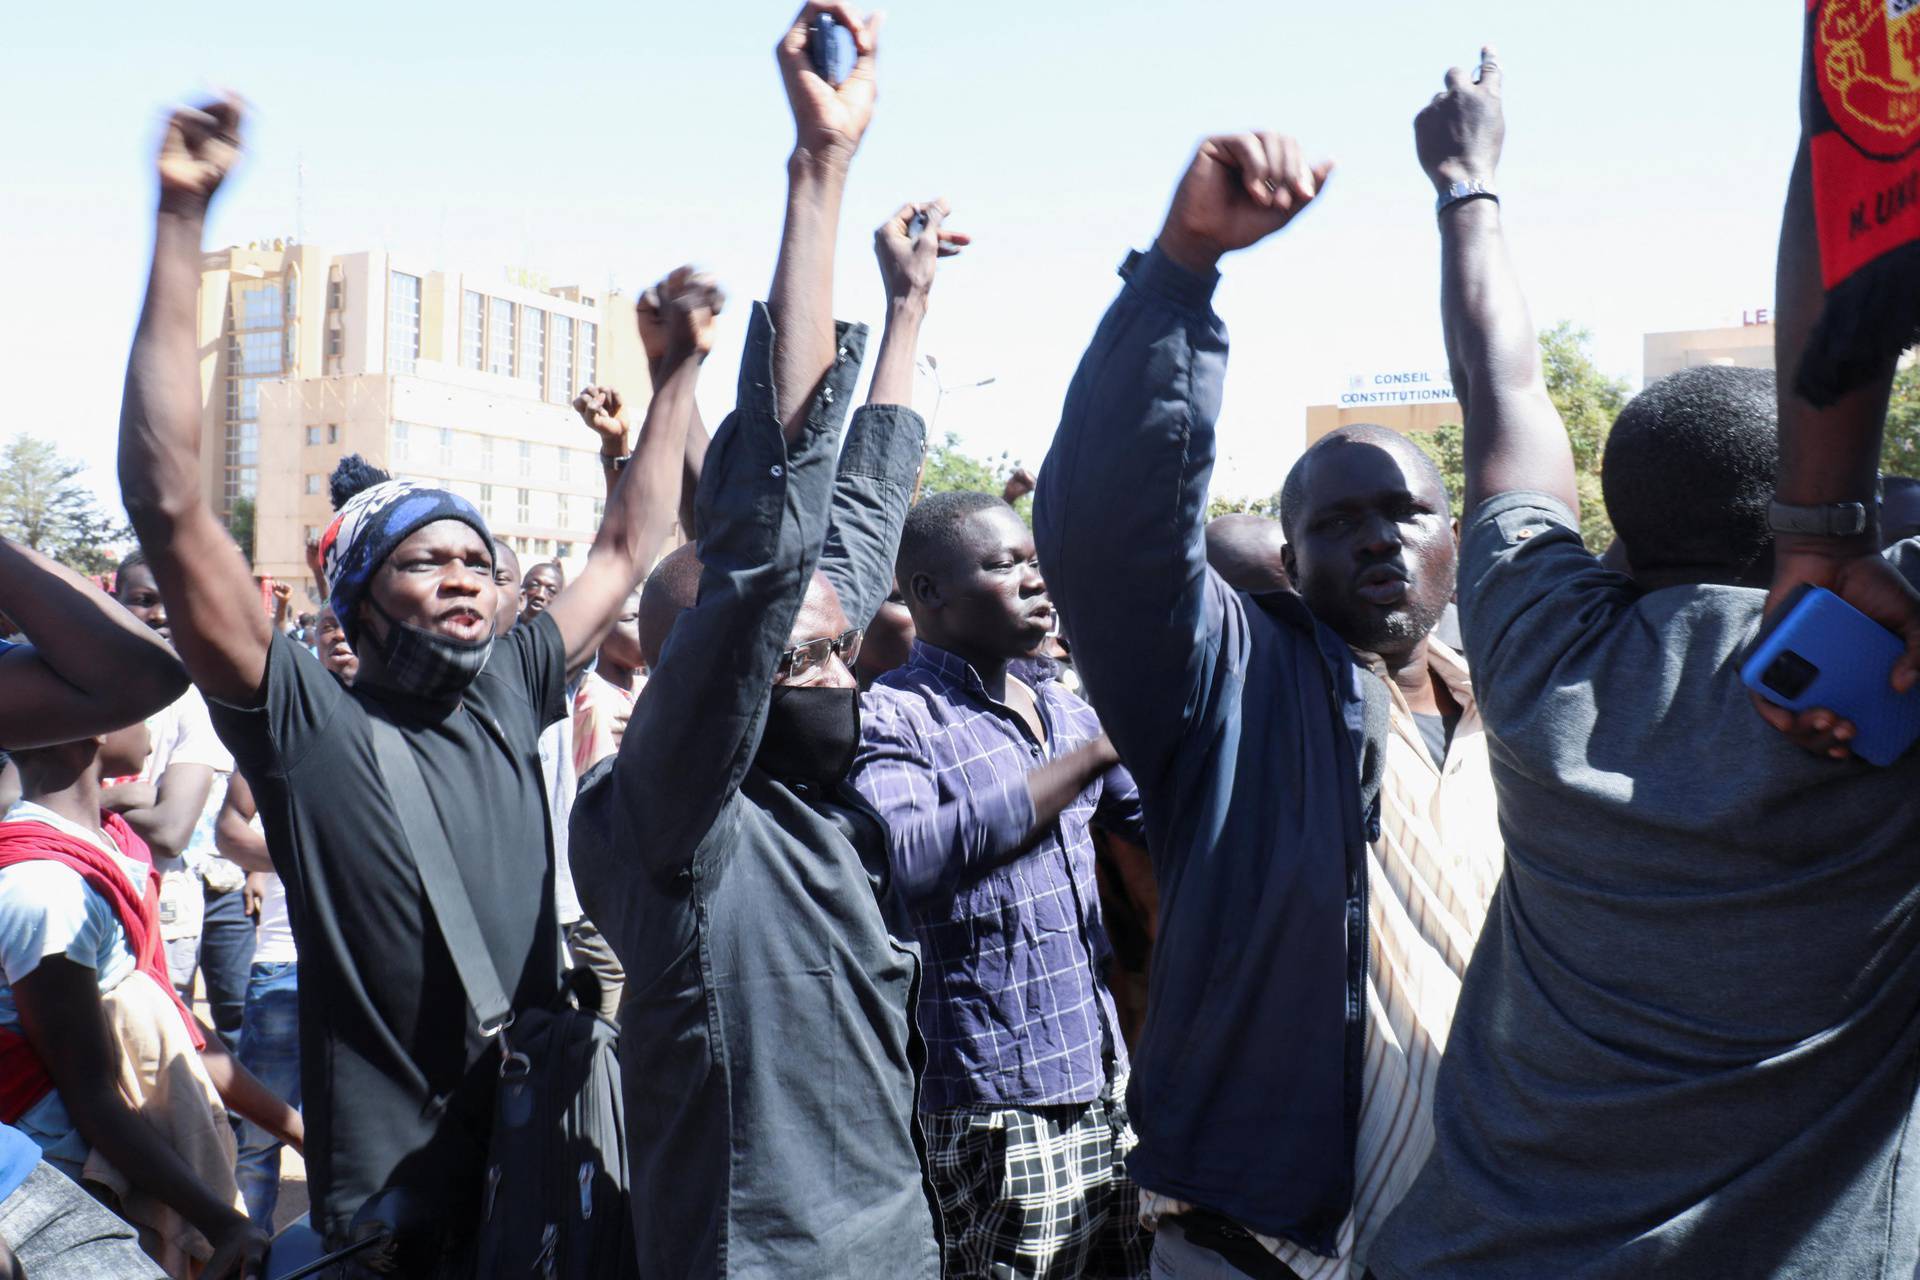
(1861, 105)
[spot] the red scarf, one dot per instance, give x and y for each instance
(23, 1077)
(1861, 108)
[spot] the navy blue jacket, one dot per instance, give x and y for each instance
(1245, 724)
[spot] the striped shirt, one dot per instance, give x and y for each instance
(1015, 1008)
(1430, 879)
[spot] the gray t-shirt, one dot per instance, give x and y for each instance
(1688, 1041)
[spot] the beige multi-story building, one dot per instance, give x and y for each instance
(459, 380)
(1748, 345)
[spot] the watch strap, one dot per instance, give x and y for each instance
(1461, 192)
(1826, 520)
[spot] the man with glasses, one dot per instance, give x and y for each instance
(767, 1044)
(991, 775)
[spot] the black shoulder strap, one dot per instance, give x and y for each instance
(440, 875)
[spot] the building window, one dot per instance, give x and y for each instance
(313, 435)
(401, 442)
(261, 352)
(564, 461)
(526, 460)
(315, 484)
(333, 433)
(336, 341)
(403, 321)
(522, 506)
(561, 550)
(560, 512)
(560, 385)
(446, 446)
(262, 307)
(473, 329)
(500, 337)
(486, 502)
(599, 511)
(336, 295)
(486, 455)
(533, 345)
(589, 353)
(541, 547)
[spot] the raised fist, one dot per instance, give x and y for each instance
(199, 150)
(601, 409)
(1019, 485)
(1240, 188)
(829, 121)
(1459, 134)
(684, 306)
(283, 591)
(906, 260)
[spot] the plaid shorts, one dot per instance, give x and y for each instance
(1039, 1191)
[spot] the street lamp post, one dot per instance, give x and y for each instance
(931, 366)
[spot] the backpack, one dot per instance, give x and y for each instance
(555, 1202)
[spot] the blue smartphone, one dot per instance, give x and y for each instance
(1826, 653)
(830, 45)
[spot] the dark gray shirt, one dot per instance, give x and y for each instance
(768, 1049)
(1687, 1043)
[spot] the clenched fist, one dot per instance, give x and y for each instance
(602, 410)
(907, 261)
(1459, 134)
(198, 151)
(1240, 189)
(684, 306)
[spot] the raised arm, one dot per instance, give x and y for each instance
(653, 339)
(762, 503)
(641, 505)
(1828, 454)
(92, 666)
(888, 441)
(213, 607)
(1120, 510)
(1514, 437)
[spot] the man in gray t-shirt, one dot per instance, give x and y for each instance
(1688, 1042)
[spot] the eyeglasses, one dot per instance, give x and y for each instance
(806, 663)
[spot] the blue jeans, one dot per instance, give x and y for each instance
(226, 954)
(270, 1048)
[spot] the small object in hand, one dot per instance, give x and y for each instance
(830, 45)
(916, 224)
(1827, 654)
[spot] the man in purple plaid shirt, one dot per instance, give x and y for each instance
(989, 774)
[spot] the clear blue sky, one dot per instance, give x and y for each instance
(605, 142)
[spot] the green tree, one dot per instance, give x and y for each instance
(1220, 505)
(951, 469)
(1588, 401)
(44, 506)
(1900, 447)
(240, 523)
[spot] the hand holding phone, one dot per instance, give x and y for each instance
(1826, 654)
(831, 47)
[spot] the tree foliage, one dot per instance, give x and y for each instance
(1220, 505)
(43, 505)
(240, 523)
(951, 469)
(1588, 401)
(1900, 447)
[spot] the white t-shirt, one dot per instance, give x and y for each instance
(556, 770)
(47, 909)
(273, 931)
(182, 733)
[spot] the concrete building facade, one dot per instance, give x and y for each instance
(459, 380)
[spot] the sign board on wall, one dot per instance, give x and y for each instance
(1401, 386)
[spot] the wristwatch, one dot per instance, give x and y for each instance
(1461, 192)
(1828, 520)
(618, 463)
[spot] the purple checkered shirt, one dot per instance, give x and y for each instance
(1015, 1009)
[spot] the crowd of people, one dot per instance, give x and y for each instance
(874, 885)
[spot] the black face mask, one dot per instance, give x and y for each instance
(812, 733)
(426, 663)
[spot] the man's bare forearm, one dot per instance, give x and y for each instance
(899, 343)
(160, 417)
(801, 300)
(1831, 454)
(643, 502)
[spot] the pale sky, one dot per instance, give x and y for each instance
(602, 142)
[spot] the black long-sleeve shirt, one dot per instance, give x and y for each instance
(768, 1049)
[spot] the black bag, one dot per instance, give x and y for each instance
(555, 1204)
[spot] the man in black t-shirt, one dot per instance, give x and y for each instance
(397, 1080)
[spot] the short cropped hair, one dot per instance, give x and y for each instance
(932, 534)
(1293, 494)
(1689, 468)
